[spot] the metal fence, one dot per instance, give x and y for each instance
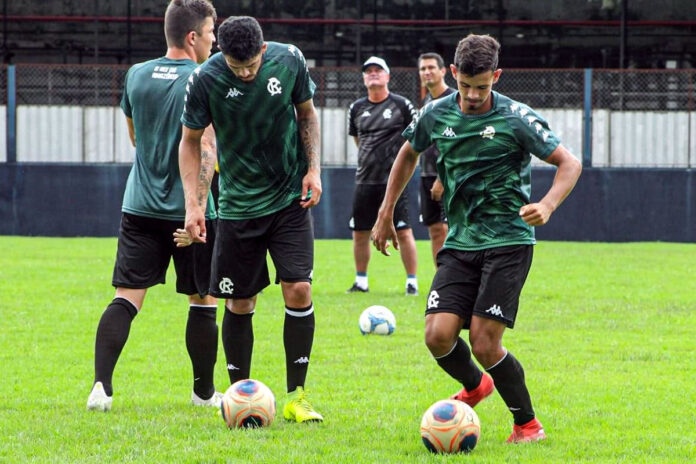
(634, 90)
(621, 102)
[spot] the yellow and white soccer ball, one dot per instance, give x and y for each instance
(450, 426)
(377, 320)
(248, 403)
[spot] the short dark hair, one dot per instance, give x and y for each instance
(476, 54)
(240, 37)
(184, 16)
(432, 56)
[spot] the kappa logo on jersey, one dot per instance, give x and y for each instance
(387, 114)
(226, 285)
(366, 114)
(233, 93)
(449, 132)
(433, 300)
(495, 311)
(274, 87)
(488, 132)
(301, 360)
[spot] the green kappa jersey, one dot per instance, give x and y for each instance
(153, 97)
(484, 164)
(260, 154)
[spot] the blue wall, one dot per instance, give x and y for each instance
(607, 204)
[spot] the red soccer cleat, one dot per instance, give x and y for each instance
(475, 396)
(531, 431)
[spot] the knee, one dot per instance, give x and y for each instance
(297, 294)
(207, 300)
(240, 306)
(483, 347)
(438, 342)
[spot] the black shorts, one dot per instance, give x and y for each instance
(486, 283)
(366, 202)
(239, 266)
(145, 247)
(431, 211)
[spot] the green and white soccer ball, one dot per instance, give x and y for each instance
(378, 320)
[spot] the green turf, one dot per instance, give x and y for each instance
(605, 333)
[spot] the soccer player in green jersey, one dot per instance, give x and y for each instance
(485, 140)
(258, 96)
(153, 207)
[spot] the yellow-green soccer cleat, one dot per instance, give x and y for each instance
(299, 409)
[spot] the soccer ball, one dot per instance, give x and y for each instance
(248, 403)
(377, 320)
(450, 426)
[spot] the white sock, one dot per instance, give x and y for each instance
(413, 281)
(361, 281)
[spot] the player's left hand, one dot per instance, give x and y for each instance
(437, 190)
(182, 238)
(311, 182)
(536, 214)
(382, 232)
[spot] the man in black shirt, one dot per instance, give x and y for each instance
(432, 71)
(376, 122)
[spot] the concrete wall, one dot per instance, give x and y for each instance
(77, 134)
(612, 205)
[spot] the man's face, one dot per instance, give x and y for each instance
(246, 71)
(374, 76)
(430, 74)
(203, 42)
(475, 91)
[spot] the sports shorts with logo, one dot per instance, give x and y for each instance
(239, 267)
(486, 283)
(145, 247)
(431, 211)
(366, 202)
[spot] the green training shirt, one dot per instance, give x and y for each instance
(484, 164)
(153, 97)
(261, 157)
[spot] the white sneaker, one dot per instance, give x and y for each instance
(98, 400)
(213, 401)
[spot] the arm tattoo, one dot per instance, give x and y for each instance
(205, 176)
(309, 133)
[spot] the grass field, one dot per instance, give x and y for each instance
(605, 333)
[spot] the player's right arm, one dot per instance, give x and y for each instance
(131, 129)
(190, 169)
(402, 170)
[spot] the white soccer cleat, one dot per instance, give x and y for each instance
(98, 400)
(213, 401)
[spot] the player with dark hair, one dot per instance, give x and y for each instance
(153, 207)
(258, 96)
(375, 123)
(432, 72)
(486, 140)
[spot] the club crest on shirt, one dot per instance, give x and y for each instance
(488, 132)
(274, 87)
(387, 114)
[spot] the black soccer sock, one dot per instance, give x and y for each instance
(202, 345)
(508, 377)
(459, 365)
(298, 335)
(112, 334)
(238, 341)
